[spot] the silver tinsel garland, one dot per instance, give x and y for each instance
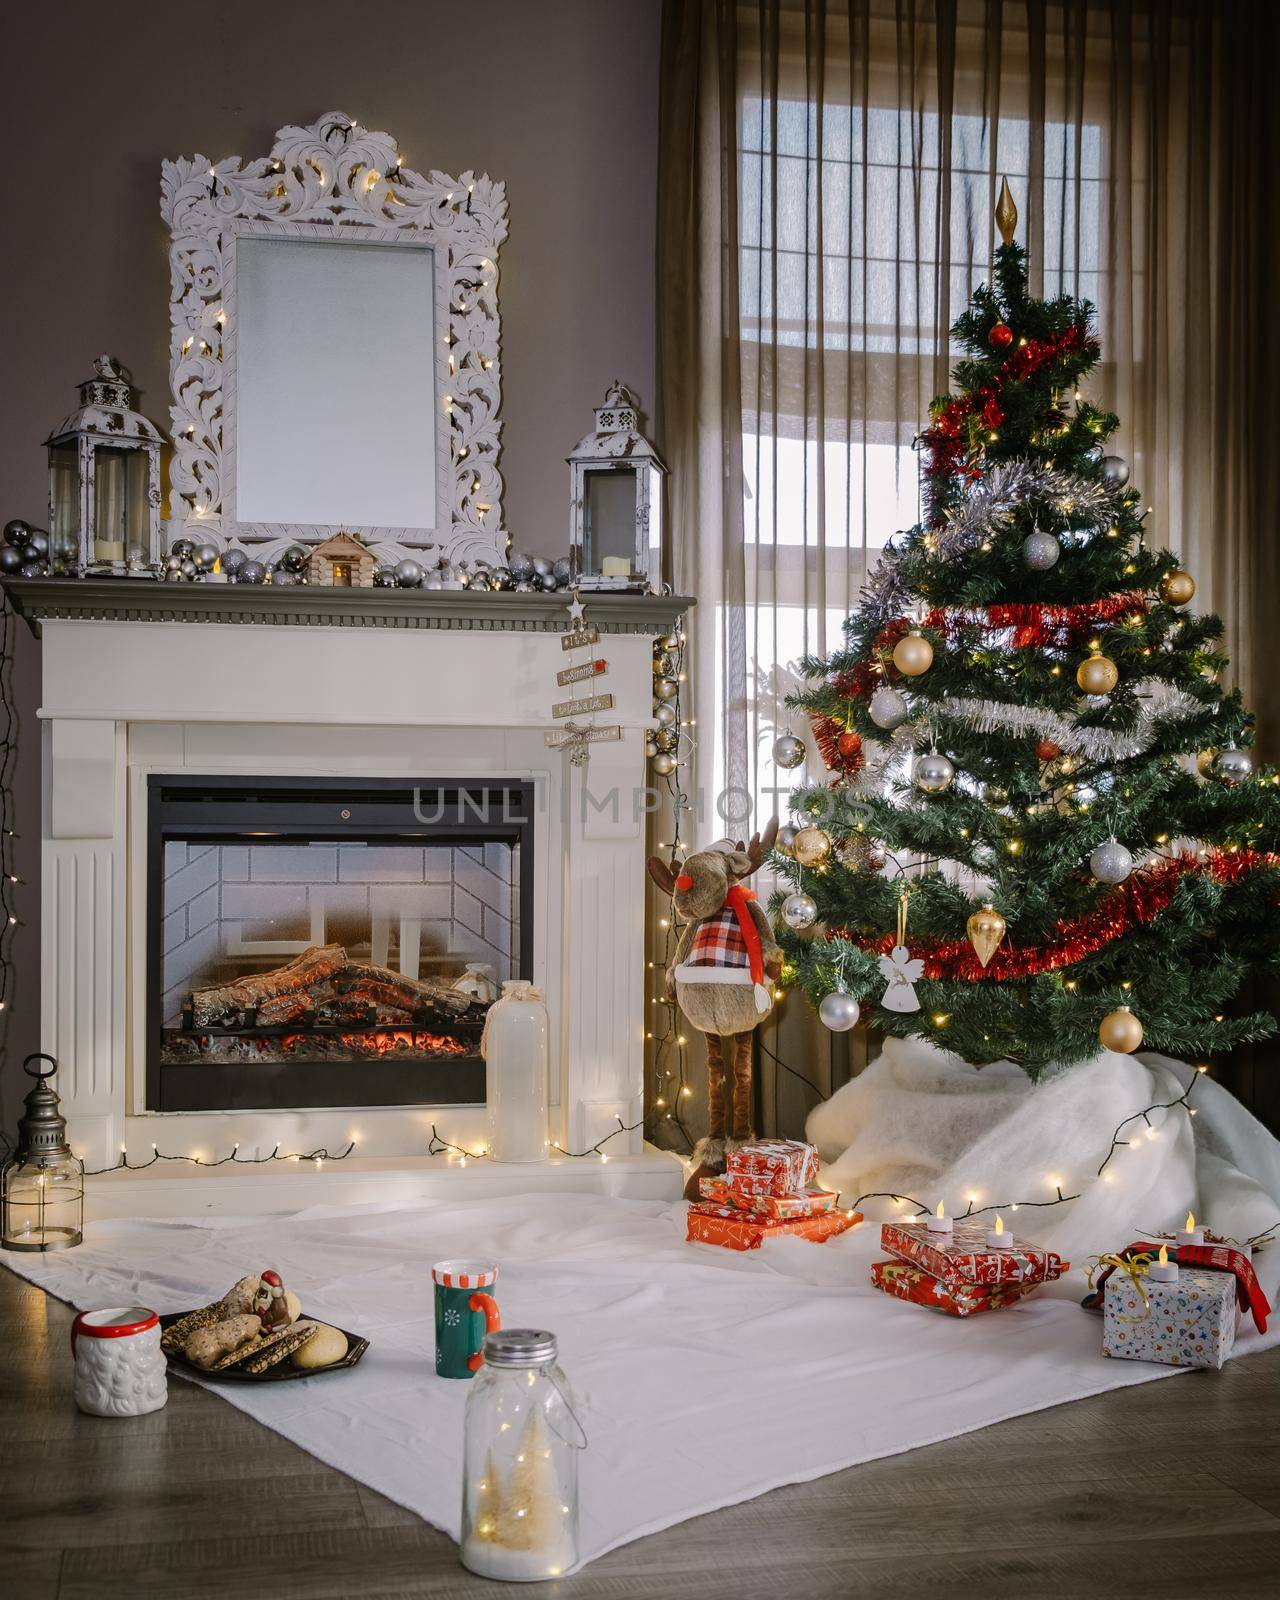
(1159, 700)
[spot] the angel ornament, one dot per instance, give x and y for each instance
(901, 969)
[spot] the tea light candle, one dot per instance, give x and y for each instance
(998, 1239)
(1163, 1270)
(939, 1222)
(1191, 1234)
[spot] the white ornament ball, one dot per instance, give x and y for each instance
(933, 773)
(1040, 551)
(839, 1011)
(1111, 862)
(799, 911)
(786, 839)
(1233, 766)
(788, 751)
(1115, 472)
(888, 708)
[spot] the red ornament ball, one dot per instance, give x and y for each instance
(1001, 336)
(1048, 751)
(993, 414)
(848, 745)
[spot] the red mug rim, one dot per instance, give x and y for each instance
(115, 1330)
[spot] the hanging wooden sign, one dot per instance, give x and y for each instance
(583, 707)
(579, 638)
(609, 734)
(588, 669)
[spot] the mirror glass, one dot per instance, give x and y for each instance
(336, 410)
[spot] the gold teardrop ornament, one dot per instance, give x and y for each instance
(986, 929)
(1006, 213)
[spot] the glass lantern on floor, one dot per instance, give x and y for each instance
(42, 1185)
(104, 482)
(616, 479)
(520, 1468)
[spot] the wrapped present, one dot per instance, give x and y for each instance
(1190, 1322)
(962, 1300)
(779, 1206)
(772, 1166)
(736, 1230)
(1216, 1254)
(963, 1256)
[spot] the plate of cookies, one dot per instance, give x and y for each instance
(257, 1333)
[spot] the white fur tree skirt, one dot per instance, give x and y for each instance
(704, 1377)
(923, 1123)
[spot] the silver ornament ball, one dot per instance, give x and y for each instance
(233, 562)
(282, 578)
(522, 567)
(16, 533)
(1233, 766)
(839, 1011)
(10, 558)
(408, 574)
(788, 751)
(888, 708)
(294, 558)
(181, 548)
(1115, 472)
(665, 715)
(799, 911)
(205, 557)
(665, 688)
(500, 578)
(933, 773)
(562, 571)
(252, 572)
(384, 577)
(1111, 862)
(1040, 551)
(664, 763)
(786, 839)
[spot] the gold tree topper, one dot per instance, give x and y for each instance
(1006, 212)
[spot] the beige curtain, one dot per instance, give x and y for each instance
(828, 179)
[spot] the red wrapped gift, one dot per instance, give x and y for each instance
(810, 1202)
(963, 1256)
(735, 1230)
(962, 1300)
(772, 1166)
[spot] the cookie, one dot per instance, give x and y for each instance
(209, 1347)
(326, 1346)
(280, 1346)
(177, 1333)
(240, 1296)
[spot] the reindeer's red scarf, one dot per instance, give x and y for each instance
(726, 947)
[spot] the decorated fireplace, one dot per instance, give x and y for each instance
(322, 942)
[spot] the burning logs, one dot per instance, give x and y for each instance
(227, 1004)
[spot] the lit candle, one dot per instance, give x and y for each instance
(939, 1222)
(998, 1239)
(1163, 1270)
(1190, 1234)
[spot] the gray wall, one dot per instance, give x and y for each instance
(559, 98)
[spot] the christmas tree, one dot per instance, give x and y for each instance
(1045, 831)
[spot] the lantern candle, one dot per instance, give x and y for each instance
(998, 1239)
(1190, 1234)
(939, 1222)
(1162, 1269)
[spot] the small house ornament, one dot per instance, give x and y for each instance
(343, 562)
(616, 483)
(104, 482)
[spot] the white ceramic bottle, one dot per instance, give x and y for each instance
(517, 1052)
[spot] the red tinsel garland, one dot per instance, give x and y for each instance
(827, 733)
(1041, 624)
(1136, 902)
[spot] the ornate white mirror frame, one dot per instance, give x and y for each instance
(336, 181)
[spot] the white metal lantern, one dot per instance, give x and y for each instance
(616, 530)
(104, 482)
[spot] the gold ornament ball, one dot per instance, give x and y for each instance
(665, 688)
(811, 846)
(1205, 761)
(912, 655)
(985, 928)
(1097, 675)
(1120, 1030)
(664, 764)
(1177, 587)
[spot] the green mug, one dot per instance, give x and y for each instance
(465, 1312)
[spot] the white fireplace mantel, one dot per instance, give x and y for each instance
(389, 692)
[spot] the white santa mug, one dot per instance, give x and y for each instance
(120, 1367)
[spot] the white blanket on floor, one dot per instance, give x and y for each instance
(704, 1376)
(923, 1123)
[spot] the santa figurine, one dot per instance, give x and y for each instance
(271, 1302)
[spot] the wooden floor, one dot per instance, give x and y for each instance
(1169, 1489)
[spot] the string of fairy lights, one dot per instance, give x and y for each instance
(663, 1033)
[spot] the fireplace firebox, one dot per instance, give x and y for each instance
(330, 943)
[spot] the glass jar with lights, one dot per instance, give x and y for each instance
(42, 1185)
(520, 1462)
(616, 485)
(104, 482)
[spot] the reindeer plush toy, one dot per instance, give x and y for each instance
(725, 953)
